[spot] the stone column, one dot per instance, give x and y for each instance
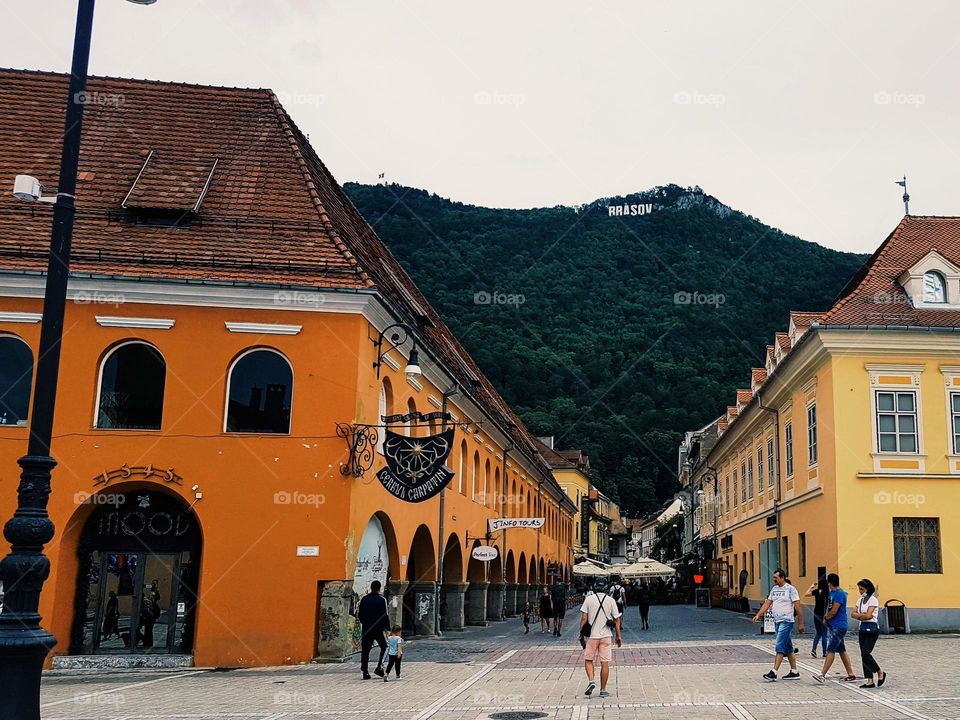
(522, 591)
(453, 595)
(394, 594)
(336, 608)
(510, 600)
(495, 601)
(424, 607)
(477, 603)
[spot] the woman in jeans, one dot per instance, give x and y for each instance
(820, 594)
(867, 609)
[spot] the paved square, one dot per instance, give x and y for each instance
(692, 664)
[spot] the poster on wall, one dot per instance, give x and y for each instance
(372, 560)
(415, 469)
(373, 563)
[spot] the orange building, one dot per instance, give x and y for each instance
(216, 496)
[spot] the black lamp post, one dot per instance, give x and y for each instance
(23, 643)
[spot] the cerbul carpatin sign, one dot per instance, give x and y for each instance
(415, 469)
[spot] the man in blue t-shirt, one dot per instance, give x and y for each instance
(836, 620)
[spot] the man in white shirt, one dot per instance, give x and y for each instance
(601, 613)
(785, 601)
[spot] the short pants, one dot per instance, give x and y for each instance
(835, 640)
(784, 637)
(599, 649)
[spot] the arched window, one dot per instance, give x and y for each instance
(519, 511)
(487, 490)
(463, 454)
(132, 377)
(475, 476)
(411, 428)
(497, 492)
(934, 288)
(384, 407)
(16, 375)
(260, 389)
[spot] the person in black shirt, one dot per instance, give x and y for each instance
(546, 610)
(820, 594)
(374, 622)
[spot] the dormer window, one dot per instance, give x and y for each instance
(934, 288)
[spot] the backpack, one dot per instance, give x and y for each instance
(616, 592)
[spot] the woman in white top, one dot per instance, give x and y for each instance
(868, 608)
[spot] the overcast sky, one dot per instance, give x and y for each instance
(800, 113)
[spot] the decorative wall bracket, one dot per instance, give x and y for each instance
(361, 448)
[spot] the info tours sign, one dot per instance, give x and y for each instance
(484, 553)
(496, 524)
(415, 469)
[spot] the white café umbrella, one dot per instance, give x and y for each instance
(588, 569)
(646, 568)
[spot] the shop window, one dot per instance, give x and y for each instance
(132, 379)
(16, 375)
(260, 390)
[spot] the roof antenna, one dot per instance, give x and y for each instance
(906, 197)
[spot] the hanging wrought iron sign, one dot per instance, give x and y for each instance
(415, 469)
(361, 442)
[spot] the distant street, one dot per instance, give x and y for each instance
(691, 664)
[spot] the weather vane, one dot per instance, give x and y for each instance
(906, 197)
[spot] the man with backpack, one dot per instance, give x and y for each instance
(599, 623)
(619, 594)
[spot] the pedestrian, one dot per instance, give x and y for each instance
(526, 618)
(867, 608)
(643, 603)
(744, 576)
(836, 620)
(546, 610)
(599, 622)
(374, 623)
(395, 645)
(558, 596)
(619, 594)
(785, 602)
(111, 617)
(820, 594)
(149, 612)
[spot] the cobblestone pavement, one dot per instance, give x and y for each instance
(692, 664)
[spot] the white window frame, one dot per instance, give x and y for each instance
(896, 378)
(788, 448)
(226, 400)
(813, 444)
(897, 413)
(771, 462)
(943, 287)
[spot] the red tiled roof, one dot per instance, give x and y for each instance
(273, 213)
(744, 396)
(803, 320)
(758, 375)
(783, 340)
(875, 297)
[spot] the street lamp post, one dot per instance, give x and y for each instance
(23, 643)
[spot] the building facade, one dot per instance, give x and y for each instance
(234, 352)
(844, 453)
(571, 470)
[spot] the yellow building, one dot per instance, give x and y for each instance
(843, 455)
(571, 470)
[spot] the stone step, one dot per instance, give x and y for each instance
(83, 662)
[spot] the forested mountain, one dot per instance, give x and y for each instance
(613, 332)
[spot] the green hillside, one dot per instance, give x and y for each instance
(575, 316)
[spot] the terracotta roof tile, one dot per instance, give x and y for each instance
(758, 375)
(273, 213)
(875, 297)
(744, 397)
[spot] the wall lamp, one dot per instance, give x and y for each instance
(399, 335)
